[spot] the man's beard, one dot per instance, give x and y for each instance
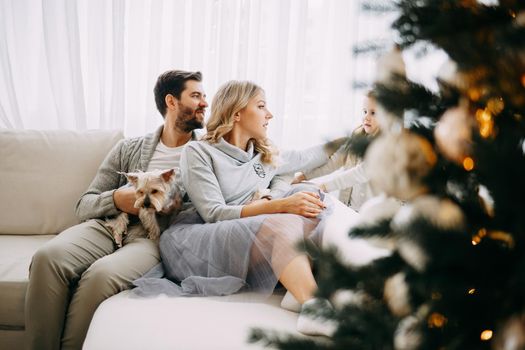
(187, 119)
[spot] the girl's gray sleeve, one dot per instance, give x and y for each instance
(348, 178)
(309, 158)
(335, 162)
(203, 187)
(97, 201)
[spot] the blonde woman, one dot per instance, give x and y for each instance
(352, 182)
(230, 241)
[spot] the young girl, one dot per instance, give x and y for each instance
(352, 182)
(230, 242)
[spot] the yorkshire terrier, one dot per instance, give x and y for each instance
(158, 198)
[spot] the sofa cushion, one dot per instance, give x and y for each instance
(15, 256)
(42, 175)
(124, 322)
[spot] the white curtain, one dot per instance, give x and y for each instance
(86, 64)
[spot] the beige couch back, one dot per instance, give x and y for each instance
(42, 175)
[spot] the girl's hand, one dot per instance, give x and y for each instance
(307, 204)
(299, 177)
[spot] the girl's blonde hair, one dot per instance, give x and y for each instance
(231, 98)
(351, 159)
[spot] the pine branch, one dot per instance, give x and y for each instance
(285, 342)
(371, 47)
(402, 94)
(378, 229)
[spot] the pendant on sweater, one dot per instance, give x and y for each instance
(259, 170)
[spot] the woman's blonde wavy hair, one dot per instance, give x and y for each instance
(231, 98)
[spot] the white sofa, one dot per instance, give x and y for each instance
(42, 174)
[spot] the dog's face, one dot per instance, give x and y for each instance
(151, 188)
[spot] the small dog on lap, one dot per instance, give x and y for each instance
(158, 198)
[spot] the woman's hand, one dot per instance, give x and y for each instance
(299, 177)
(307, 204)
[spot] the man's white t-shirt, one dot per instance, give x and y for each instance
(166, 157)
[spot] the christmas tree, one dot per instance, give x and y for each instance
(456, 158)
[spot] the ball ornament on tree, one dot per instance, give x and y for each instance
(398, 163)
(453, 133)
(396, 295)
(408, 335)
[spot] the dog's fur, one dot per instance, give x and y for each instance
(157, 195)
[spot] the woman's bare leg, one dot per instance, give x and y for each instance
(297, 278)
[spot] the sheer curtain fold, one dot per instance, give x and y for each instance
(13, 119)
(115, 115)
(62, 48)
(93, 63)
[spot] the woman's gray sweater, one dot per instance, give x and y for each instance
(220, 178)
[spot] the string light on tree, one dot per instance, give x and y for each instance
(436, 320)
(486, 335)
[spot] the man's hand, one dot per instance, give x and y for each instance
(124, 199)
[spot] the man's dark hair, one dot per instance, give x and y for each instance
(172, 82)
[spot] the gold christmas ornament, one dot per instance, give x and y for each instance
(407, 335)
(396, 295)
(397, 164)
(453, 133)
